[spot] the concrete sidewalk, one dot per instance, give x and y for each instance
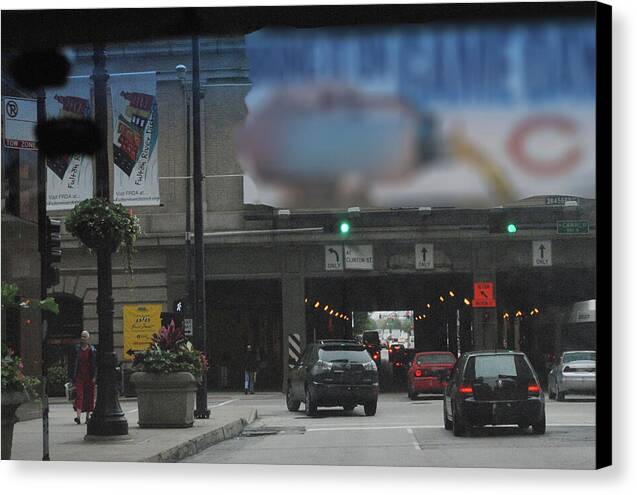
(229, 413)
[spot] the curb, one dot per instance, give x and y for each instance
(203, 441)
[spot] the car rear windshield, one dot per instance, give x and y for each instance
(498, 366)
(371, 337)
(344, 355)
(435, 359)
(579, 356)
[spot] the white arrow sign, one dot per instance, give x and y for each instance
(424, 256)
(542, 253)
(333, 257)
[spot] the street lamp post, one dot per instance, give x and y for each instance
(108, 418)
(181, 75)
(199, 329)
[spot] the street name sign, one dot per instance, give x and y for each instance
(483, 295)
(359, 257)
(542, 253)
(20, 116)
(572, 227)
(424, 256)
(334, 257)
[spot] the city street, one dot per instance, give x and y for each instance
(407, 433)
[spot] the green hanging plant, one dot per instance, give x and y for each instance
(98, 223)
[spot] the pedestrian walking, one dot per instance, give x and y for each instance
(250, 367)
(83, 376)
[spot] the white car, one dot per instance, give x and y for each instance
(574, 373)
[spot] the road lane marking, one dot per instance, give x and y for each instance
(430, 427)
(414, 441)
(224, 403)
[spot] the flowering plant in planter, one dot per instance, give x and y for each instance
(98, 223)
(13, 377)
(171, 352)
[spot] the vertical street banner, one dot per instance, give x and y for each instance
(140, 323)
(135, 132)
(69, 178)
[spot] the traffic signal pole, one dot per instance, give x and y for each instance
(44, 270)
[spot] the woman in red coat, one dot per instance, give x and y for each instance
(83, 377)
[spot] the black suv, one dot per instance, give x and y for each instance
(333, 373)
(493, 388)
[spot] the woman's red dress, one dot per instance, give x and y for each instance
(84, 386)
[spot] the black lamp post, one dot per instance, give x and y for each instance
(199, 323)
(108, 418)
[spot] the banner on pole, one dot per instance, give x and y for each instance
(69, 178)
(135, 131)
(140, 323)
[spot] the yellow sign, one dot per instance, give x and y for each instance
(140, 323)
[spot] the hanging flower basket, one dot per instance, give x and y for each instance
(100, 224)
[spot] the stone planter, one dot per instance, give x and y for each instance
(10, 403)
(165, 400)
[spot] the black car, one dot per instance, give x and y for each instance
(371, 341)
(493, 388)
(333, 373)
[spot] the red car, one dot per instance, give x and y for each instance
(429, 372)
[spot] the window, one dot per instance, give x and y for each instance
(579, 356)
(435, 359)
(344, 355)
(497, 366)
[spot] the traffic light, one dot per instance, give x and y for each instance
(500, 225)
(343, 227)
(53, 252)
(339, 225)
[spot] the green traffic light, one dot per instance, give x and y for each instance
(344, 227)
(511, 228)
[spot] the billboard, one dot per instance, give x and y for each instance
(442, 115)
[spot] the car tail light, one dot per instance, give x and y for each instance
(418, 373)
(375, 356)
(390, 349)
(534, 388)
(398, 364)
(465, 389)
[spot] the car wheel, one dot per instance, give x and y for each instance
(370, 408)
(310, 404)
(448, 424)
(349, 407)
(559, 395)
(293, 405)
(457, 425)
(540, 428)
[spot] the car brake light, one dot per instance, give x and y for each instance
(375, 356)
(418, 373)
(465, 389)
(534, 388)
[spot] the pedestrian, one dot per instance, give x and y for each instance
(83, 376)
(250, 369)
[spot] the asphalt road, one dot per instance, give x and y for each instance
(406, 433)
